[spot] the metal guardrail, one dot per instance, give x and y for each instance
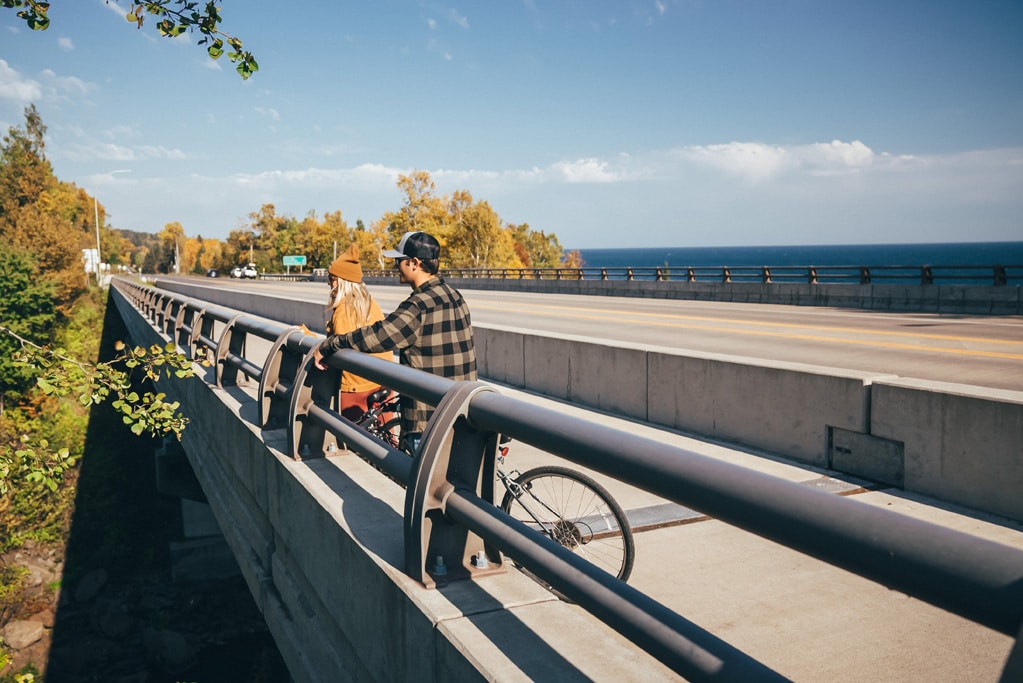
(989, 275)
(972, 577)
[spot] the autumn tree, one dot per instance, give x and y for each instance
(471, 233)
(536, 248)
(40, 215)
(25, 172)
(172, 238)
(481, 242)
(273, 237)
(240, 243)
(573, 259)
(421, 210)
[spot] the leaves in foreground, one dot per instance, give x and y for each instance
(60, 376)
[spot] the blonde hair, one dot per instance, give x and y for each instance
(354, 295)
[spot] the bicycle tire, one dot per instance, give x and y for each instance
(590, 522)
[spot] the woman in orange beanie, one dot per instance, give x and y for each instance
(352, 307)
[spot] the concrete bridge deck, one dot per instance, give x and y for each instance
(804, 618)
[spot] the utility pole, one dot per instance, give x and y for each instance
(99, 258)
(95, 209)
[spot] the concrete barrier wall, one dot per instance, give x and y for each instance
(784, 408)
(957, 443)
(320, 545)
(962, 444)
(287, 311)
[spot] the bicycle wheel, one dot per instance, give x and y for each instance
(577, 512)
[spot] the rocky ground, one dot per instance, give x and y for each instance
(140, 629)
(103, 606)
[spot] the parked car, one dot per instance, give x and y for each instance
(250, 271)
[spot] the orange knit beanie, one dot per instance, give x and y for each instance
(347, 266)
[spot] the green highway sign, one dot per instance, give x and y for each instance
(294, 260)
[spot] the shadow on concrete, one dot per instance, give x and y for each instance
(536, 659)
(120, 616)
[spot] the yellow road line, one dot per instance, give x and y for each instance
(736, 321)
(566, 311)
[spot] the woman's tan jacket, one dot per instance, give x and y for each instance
(343, 321)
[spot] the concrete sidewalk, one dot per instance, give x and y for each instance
(804, 618)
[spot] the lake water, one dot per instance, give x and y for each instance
(947, 254)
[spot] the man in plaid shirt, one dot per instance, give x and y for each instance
(431, 329)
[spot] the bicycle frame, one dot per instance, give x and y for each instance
(378, 404)
(540, 509)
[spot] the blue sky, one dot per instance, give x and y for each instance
(610, 124)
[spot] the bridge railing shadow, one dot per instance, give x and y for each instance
(449, 503)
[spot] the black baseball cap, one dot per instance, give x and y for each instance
(418, 245)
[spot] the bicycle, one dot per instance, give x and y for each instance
(567, 506)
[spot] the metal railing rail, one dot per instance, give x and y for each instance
(977, 579)
(988, 275)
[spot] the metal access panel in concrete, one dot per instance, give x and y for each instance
(870, 457)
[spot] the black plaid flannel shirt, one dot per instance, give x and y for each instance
(431, 330)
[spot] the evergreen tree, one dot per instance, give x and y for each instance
(27, 308)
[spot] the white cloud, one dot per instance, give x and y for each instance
(458, 20)
(759, 162)
(14, 86)
(754, 161)
(65, 85)
(269, 112)
(585, 171)
(159, 152)
(109, 151)
(65, 44)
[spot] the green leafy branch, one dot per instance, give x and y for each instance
(174, 18)
(61, 376)
(35, 465)
(178, 16)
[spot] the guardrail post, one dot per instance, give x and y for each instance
(182, 332)
(453, 454)
(273, 412)
(307, 438)
(202, 327)
(170, 312)
(229, 343)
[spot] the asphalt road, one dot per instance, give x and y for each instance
(984, 351)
